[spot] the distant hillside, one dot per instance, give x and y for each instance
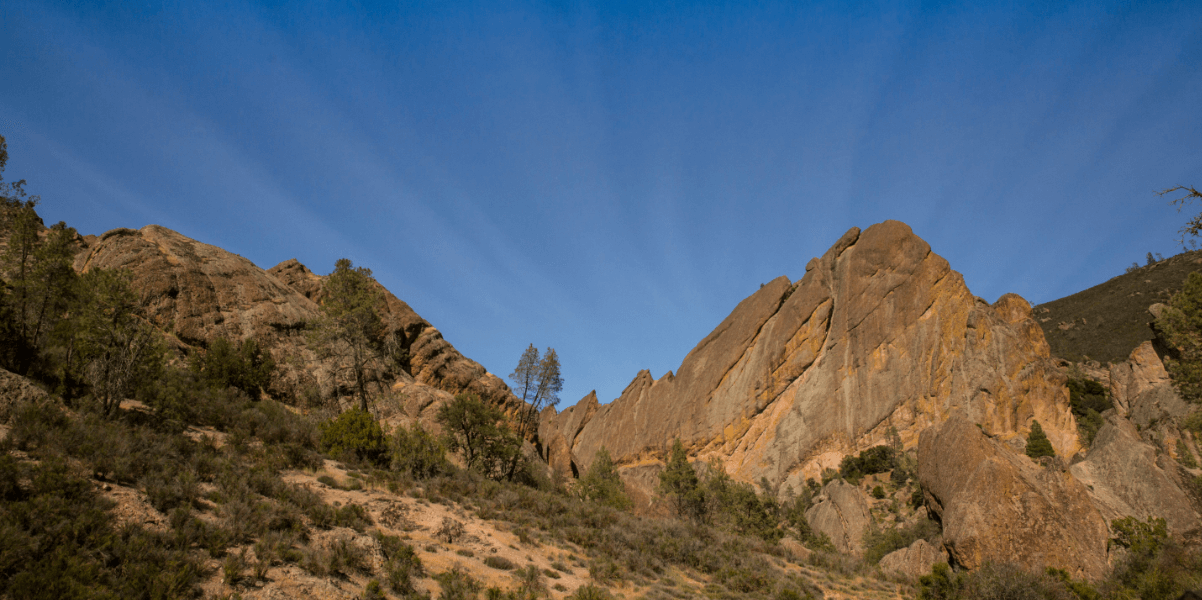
(1107, 321)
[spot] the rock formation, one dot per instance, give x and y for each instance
(913, 561)
(841, 512)
(999, 506)
(1125, 477)
(195, 293)
(15, 390)
(878, 334)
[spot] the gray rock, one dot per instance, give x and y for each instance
(14, 390)
(1124, 478)
(842, 514)
(914, 561)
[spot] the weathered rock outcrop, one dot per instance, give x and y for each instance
(197, 292)
(841, 512)
(915, 560)
(1125, 477)
(14, 390)
(1141, 388)
(557, 433)
(878, 334)
(999, 506)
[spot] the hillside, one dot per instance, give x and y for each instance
(834, 437)
(1109, 320)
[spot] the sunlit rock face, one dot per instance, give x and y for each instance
(878, 335)
(997, 505)
(196, 293)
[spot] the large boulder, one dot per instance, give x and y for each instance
(999, 506)
(915, 560)
(841, 512)
(1125, 477)
(879, 335)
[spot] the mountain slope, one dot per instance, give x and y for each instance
(1109, 320)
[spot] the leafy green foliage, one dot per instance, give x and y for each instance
(457, 584)
(57, 540)
(1038, 444)
(738, 506)
(602, 484)
(402, 566)
(679, 482)
(245, 367)
(1089, 400)
(418, 453)
(119, 349)
(876, 459)
(354, 433)
(1180, 329)
(477, 431)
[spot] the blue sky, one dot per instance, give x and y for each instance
(611, 179)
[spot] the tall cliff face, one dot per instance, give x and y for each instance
(880, 333)
(196, 293)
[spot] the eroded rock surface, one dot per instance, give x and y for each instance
(1141, 388)
(1126, 478)
(14, 390)
(841, 512)
(878, 334)
(196, 292)
(915, 560)
(999, 506)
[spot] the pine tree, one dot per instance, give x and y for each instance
(679, 481)
(1037, 442)
(602, 484)
(350, 329)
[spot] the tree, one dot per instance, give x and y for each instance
(476, 429)
(537, 383)
(350, 329)
(354, 432)
(118, 348)
(602, 484)
(245, 367)
(679, 481)
(1193, 226)
(1038, 444)
(1179, 326)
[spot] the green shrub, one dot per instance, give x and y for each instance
(881, 541)
(477, 431)
(338, 556)
(1089, 400)
(245, 367)
(1038, 444)
(457, 585)
(416, 452)
(876, 459)
(590, 592)
(602, 484)
(878, 492)
(499, 562)
(354, 433)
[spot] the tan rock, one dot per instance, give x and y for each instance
(841, 512)
(914, 561)
(1141, 388)
(197, 292)
(879, 333)
(1124, 478)
(999, 506)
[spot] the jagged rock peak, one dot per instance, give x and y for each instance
(879, 334)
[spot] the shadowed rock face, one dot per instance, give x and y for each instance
(197, 292)
(999, 506)
(879, 333)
